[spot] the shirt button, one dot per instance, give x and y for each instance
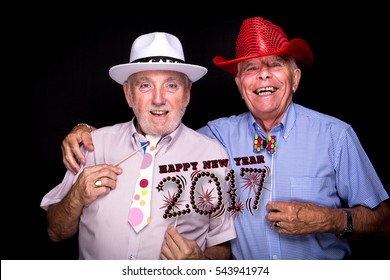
(131, 257)
(275, 257)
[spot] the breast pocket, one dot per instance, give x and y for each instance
(318, 190)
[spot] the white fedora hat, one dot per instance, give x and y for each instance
(156, 51)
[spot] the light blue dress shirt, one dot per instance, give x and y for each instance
(319, 159)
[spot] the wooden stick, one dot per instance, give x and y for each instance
(132, 153)
(177, 217)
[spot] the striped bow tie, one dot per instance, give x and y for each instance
(260, 144)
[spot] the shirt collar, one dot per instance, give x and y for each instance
(284, 127)
(288, 121)
(165, 141)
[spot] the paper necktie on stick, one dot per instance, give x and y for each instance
(260, 144)
(139, 214)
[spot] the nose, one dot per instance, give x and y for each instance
(159, 96)
(264, 73)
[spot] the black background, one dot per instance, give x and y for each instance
(59, 62)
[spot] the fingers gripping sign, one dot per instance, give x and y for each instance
(175, 246)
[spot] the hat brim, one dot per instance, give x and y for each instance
(298, 48)
(121, 72)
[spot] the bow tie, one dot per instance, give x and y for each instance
(260, 144)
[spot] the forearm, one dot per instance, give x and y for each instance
(371, 222)
(63, 219)
(305, 218)
(218, 252)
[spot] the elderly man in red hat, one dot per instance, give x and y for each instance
(301, 181)
(146, 191)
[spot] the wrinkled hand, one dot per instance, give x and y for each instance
(300, 217)
(71, 152)
(85, 191)
(176, 247)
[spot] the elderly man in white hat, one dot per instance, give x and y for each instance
(152, 188)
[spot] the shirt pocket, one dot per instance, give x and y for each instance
(318, 190)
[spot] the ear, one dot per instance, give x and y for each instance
(238, 83)
(126, 90)
(296, 79)
(188, 94)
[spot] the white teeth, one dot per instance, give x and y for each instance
(265, 91)
(158, 112)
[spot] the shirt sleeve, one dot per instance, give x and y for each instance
(358, 183)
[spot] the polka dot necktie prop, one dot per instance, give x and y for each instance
(139, 215)
(260, 144)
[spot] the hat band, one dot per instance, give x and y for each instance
(153, 59)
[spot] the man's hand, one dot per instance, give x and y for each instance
(71, 152)
(176, 247)
(95, 181)
(303, 218)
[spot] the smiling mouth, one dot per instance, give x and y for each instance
(158, 112)
(265, 91)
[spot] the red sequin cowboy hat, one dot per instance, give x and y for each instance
(260, 37)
